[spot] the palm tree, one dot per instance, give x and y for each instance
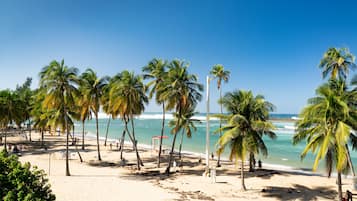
(106, 107)
(59, 83)
(25, 94)
(180, 89)
(221, 75)
(93, 89)
(10, 110)
(156, 70)
(246, 126)
(326, 125)
(337, 61)
(187, 124)
(128, 99)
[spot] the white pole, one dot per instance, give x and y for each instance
(207, 125)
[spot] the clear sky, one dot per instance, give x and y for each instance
(270, 47)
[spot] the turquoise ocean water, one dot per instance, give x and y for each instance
(281, 151)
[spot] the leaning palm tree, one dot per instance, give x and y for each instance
(187, 124)
(221, 75)
(128, 99)
(247, 123)
(326, 125)
(338, 62)
(180, 89)
(93, 89)
(156, 71)
(59, 83)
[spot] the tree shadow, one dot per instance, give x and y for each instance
(298, 192)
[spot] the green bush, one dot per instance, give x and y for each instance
(20, 182)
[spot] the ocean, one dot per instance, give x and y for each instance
(281, 153)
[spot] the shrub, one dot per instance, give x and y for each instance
(21, 182)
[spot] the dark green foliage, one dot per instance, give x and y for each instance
(20, 182)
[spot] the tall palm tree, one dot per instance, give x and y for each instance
(59, 83)
(247, 123)
(187, 124)
(326, 125)
(25, 94)
(93, 89)
(106, 107)
(10, 110)
(338, 62)
(156, 71)
(221, 75)
(128, 99)
(180, 89)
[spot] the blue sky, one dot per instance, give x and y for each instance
(270, 47)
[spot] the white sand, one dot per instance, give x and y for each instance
(94, 181)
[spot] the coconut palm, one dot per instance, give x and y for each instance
(180, 89)
(186, 126)
(59, 83)
(221, 75)
(93, 89)
(10, 110)
(325, 124)
(25, 95)
(105, 100)
(337, 62)
(128, 99)
(247, 123)
(156, 71)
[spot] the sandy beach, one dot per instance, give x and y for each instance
(108, 179)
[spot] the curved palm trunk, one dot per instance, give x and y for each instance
(122, 145)
(350, 161)
(339, 184)
(138, 160)
(106, 133)
(172, 147)
(181, 146)
(220, 127)
(162, 134)
(136, 144)
(83, 134)
(67, 139)
(96, 125)
(132, 140)
(242, 175)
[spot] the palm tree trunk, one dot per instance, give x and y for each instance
(96, 125)
(140, 162)
(242, 175)
(350, 161)
(122, 145)
(106, 133)
(339, 184)
(162, 134)
(132, 138)
(67, 138)
(42, 138)
(251, 162)
(171, 155)
(181, 146)
(220, 127)
(30, 130)
(83, 134)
